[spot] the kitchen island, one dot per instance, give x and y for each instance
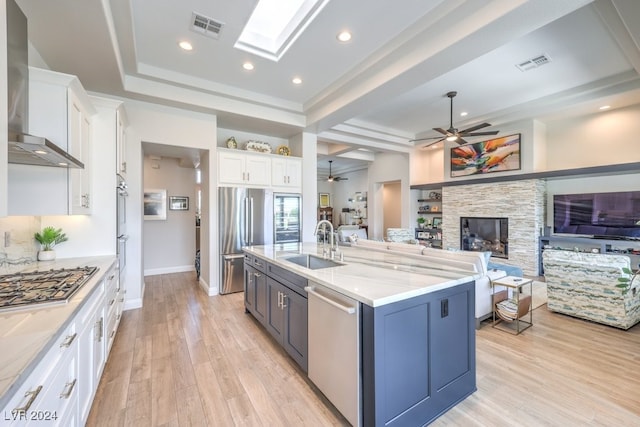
(413, 328)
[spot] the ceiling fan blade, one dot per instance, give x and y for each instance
(461, 141)
(476, 127)
(338, 178)
(494, 132)
(429, 144)
(425, 139)
(442, 131)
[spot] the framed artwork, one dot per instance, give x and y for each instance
(155, 204)
(495, 155)
(437, 222)
(324, 200)
(178, 203)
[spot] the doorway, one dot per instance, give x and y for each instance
(391, 205)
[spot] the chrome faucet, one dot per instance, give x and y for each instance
(333, 248)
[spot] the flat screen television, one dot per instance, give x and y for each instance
(613, 215)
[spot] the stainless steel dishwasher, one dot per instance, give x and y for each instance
(334, 349)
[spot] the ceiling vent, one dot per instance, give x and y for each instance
(206, 26)
(532, 63)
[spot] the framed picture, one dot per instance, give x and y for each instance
(178, 203)
(155, 204)
(324, 200)
(495, 155)
(437, 222)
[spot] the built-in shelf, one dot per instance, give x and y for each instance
(621, 169)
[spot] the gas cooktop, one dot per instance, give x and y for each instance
(37, 288)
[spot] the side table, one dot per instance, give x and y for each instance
(512, 310)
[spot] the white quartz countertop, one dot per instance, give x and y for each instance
(26, 334)
(372, 277)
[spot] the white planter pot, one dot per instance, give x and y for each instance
(46, 255)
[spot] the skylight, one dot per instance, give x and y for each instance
(275, 24)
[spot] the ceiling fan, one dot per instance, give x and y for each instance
(332, 178)
(452, 134)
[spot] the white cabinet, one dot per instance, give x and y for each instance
(121, 141)
(236, 167)
(80, 148)
(61, 387)
(91, 351)
(49, 393)
(59, 110)
(286, 172)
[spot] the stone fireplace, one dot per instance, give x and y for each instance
(522, 202)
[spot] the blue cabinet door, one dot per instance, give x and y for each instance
(260, 302)
(275, 313)
(295, 340)
(249, 288)
(418, 357)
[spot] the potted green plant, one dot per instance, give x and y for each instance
(421, 222)
(48, 238)
(626, 281)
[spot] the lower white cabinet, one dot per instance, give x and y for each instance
(61, 388)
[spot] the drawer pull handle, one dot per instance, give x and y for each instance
(112, 301)
(121, 299)
(112, 334)
(111, 277)
(32, 397)
(67, 342)
(257, 274)
(68, 389)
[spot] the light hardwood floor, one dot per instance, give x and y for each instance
(186, 359)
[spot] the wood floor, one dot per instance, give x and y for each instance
(186, 359)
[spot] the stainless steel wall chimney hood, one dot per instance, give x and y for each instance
(23, 148)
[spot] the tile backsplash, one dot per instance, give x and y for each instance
(22, 248)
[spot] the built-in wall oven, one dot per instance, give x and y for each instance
(121, 225)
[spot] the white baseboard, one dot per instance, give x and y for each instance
(211, 291)
(132, 304)
(168, 270)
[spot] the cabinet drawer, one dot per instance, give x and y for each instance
(291, 280)
(61, 391)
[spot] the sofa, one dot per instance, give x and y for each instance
(584, 285)
(473, 262)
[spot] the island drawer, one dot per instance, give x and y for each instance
(257, 263)
(293, 281)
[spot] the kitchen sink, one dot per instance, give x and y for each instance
(312, 262)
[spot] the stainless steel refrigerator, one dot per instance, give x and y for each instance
(245, 218)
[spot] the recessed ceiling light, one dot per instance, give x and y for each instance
(605, 107)
(247, 66)
(464, 113)
(185, 45)
(296, 80)
(344, 36)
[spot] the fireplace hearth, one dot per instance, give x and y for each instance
(485, 235)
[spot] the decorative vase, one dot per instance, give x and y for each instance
(46, 255)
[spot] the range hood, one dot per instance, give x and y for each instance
(24, 148)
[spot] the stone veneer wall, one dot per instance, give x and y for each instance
(23, 248)
(523, 202)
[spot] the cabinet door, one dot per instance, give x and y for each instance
(294, 173)
(258, 169)
(260, 284)
(249, 288)
(279, 172)
(121, 143)
(275, 313)
(79, 147)
(295, 330)
(231, 167)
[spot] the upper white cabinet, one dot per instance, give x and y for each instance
(242, 168)
(59, 110)
(121, 141)
(286, 172)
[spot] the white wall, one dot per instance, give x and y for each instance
(170, 245)
(170, 126)
(342, 191)
(606, 138)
